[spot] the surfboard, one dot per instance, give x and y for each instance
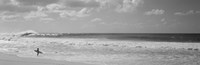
(37, 51)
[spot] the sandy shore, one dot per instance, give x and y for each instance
(9, 59)
(99, 52)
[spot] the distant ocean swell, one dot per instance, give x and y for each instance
(125, 36)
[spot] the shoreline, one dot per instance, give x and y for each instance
(103, 51)
(10, 59)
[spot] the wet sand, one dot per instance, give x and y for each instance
(9, 59)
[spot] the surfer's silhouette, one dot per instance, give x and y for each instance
(38, 51)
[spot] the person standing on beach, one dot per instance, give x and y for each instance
(38, 51)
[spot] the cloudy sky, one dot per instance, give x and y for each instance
(100, 16)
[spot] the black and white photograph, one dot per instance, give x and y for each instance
(99, 32)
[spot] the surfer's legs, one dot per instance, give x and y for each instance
(37, 54)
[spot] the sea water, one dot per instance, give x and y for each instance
(166, 37)
(93, 47)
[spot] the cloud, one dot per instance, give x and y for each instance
(162, 20)
(12, 8)
(14, 2)
(84, 12)
(128, 5)
(120, 5)
(9, 17)
(36, 2)
(81, 3)
(35, 14)
(54, 7)
(96, 19)
(35, 9)
(47, 19)
(190, 12)
(73, 13)
(155, 12)
(61, 10)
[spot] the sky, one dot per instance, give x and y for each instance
(100, 16)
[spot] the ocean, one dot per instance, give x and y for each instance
(165, 37)
(107, 48)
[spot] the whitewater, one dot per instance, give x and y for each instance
(104, 52)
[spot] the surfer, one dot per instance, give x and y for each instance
(38, 51)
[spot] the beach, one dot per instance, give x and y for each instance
(99, 52)
(9, 59)
(82, 50)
